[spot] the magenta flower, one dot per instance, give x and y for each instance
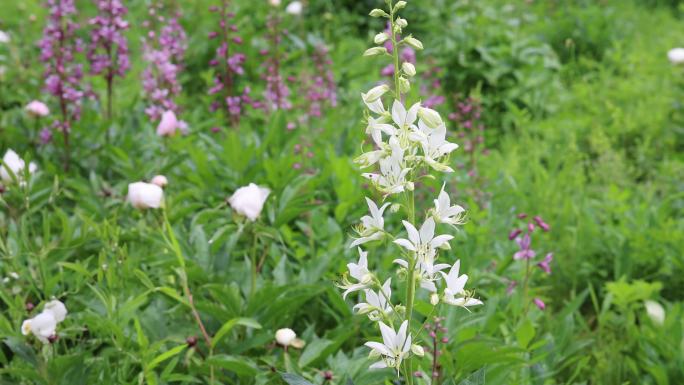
(540, 304)
(514, 234)
(163, 49)
(546, 263)
(321, 88)
(525, 252)
(540, 222)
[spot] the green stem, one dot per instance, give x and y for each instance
(526, 286)
(395, 54)
(252, 289)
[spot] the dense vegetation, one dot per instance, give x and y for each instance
(569, 118)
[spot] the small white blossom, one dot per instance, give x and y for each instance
(392, 176)
(375, 93)
(377, 304)
(676, 55)
(454, 293)
(372, 226)
(655, 311)
(446, 213)
(423, 243)
(44, 325)
(434, 145)
(4, 37)
(294, 8)
(285, 336)
(358, 271)
(394, 348)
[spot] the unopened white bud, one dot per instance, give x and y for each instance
(413, 42)
(375, 93)
(418, 350)
(434, 299)
(402, 23)
(409, 69)
(430, 117)
(380, 38)
(410, 186)
(399, 5)
(378, 13)
(394, 207)
(375, 51)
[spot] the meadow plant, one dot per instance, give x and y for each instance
(321, 90)
(410, 145)
(522, 235)
(468, 118)
(229, 67)
(63, 74)
(108, 48)
(277, 93)
(164, 47)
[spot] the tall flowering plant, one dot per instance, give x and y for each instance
(163, 49)
(62, 73)
(410, 144)
(108, 49)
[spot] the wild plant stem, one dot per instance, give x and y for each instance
(526, 286)
(253, 256)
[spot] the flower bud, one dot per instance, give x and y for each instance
(404, 85)
(378, 13)
(434, 299)
(409, 69)
(399, 5)
(413, 42)
(380, 38)
(375, 51)
(418, 350)
(401, 23)
(410, 186)
(430, 117)
(375, 93)
(285, 336)
(395, 207)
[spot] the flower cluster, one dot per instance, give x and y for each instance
(276, 94)
(13, 166)
(322, 89)
(523, 238)
(229, 66)
(108, 49)
(62, 74)
(410, 142)
(163, 49)
(44, 325)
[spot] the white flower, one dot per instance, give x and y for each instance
(145, 195)
(454, 293)
(43, 326)
(404, 119)
(655, 311)
(676, 55)
(57, 309)
(423, 243)
(14, 165)
(160, 180)
(285, 336)
(4, 37)
(394, 348)
(434, 145)
(249, 200)
(377, 304)
(375, 106)
(37, 109)
(380, 38)
(427, 271)
(372, 227)
(392, 177)
(445, 213)
(376, 126)
(358, 271)
(294, 8)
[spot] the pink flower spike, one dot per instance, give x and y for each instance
(540, 304)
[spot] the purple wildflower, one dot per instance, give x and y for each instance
(525, 252)
(540, 222)
(277, 93)
(514, 234)
(62, 75)
(163, 49)
(546, 263)
(321, 89)
(108, 48)
(540, 304)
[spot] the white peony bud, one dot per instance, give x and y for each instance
(413, 42)
(376, 93)
(285, 336)
(37, 109)
(145, 195)
(294, 8)
(12, 162)
(380, 38)
(249, 200)
(676, 55)
(160, 180)
(430, 117)
(409, 69)
(375, 51)
(655, 311)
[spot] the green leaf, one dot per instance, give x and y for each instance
(238, 365)
(525, 333)
(165, 356)
(228, 326)
(294, 379)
